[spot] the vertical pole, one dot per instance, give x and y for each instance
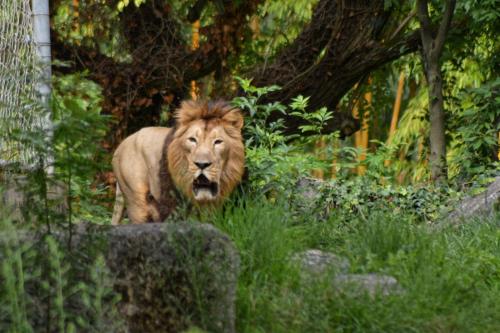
(41, 34)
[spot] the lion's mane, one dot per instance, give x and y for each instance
(214, 114)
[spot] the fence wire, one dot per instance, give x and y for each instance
(19, 113)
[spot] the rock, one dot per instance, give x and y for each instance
(19, 193)
(318, 262)
(309, 197)
(485, 203)
(309, 188)
(372, 284)
(174, 275)
(171, 276)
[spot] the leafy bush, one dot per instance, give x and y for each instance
(476, 124)
(361, 196)
(273, 162)
(79, 130)
(75, 155)
(275, 159)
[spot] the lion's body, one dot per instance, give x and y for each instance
(136, 164)
(202, 158)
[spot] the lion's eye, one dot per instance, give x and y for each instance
(193, 140)
(217, 142)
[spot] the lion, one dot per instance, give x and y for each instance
(201, 158)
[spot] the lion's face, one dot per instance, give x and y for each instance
(206, 157)
(207, 153)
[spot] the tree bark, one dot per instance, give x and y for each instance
(437, 122)
(432, 48)
(342, 44)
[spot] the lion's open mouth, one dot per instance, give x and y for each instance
(204, 189)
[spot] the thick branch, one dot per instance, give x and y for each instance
(425, 23)
(347, 45)
(161, 66)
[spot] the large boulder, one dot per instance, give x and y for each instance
(485, 203)
(173, 275)
(169, 276)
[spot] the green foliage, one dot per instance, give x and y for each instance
(280, 22)
(360, 196)
(273, 162)
(79, 129)
(317, 119)
(40, 278)
(449, 275)
(476, 124)
(72, 292)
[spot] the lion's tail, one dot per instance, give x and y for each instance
(119, 207)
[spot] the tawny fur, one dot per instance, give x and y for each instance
(205, 131)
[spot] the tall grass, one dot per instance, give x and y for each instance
(450, 276)
(45, 287)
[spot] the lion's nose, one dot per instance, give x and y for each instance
(203, 165)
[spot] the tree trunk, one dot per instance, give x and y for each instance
(437, 121)
(432, 48)
(344, 42)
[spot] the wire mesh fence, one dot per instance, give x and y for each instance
(19, 111)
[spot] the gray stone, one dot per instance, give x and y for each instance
(372, 284)
(171, 276)
(318, 262)
(482, 204)
(18, 194)
(309, 188)
(309, 197)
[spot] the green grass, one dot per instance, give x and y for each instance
(450, 276)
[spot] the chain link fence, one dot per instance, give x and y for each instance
(19, 111)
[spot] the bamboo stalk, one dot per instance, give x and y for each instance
(364, 133)
(498, 156)
(76, 15)
(395, 112)
(357, 134)
(195, 44)
(336, 145)
(320, 151)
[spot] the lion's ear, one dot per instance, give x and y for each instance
(235, 118)
(189, 111)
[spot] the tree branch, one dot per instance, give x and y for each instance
(403, 24)
(425, 24)
(444, 26)
(340, 47)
